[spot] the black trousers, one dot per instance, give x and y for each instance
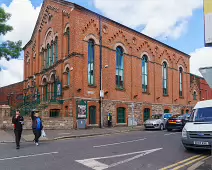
(17, 136)
(37, 134)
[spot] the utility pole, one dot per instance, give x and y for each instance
(132, 114)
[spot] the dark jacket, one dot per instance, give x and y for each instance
(34, 121)
(18, 122)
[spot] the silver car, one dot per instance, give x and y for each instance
(157, 121)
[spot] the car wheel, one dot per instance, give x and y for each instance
(161, 127)
(169, 130)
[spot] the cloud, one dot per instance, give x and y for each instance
(13, 72)
(23, 19)
(200, 58)
(160, 18)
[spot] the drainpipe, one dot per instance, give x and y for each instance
(101, 88)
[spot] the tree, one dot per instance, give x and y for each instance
(8, 49)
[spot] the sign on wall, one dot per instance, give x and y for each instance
(208, 22)
(82, 110)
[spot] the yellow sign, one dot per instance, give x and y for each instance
(207, 6)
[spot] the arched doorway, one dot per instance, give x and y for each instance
(166, 110)
(92, 115)
(146, 114)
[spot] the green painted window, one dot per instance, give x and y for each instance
(56, 49)
(68, 40)
(48, 56)
(144, 73)
(166, 111)
(52, 54)
(182, 112)
(54, 113)
(91, 57)
(195, 95)
(119, 67)
(69, 77)
(181, 81)
(121, 115)
(165, 78)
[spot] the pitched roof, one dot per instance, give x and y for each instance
(63, 2)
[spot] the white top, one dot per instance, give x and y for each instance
(202, 104)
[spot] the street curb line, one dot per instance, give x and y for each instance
(80, 136)
(198, 164)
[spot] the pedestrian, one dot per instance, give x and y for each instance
(36, 126)
(18, 122)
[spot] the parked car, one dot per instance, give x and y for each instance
(157, 121)
(177, 122)
(197, 133)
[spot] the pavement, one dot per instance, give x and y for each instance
(27, 135)
(132, 150)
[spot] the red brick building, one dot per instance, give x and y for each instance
(12, 95)
(74, 53)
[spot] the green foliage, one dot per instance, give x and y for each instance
(8, 49)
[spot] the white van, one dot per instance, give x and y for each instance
(197, 133)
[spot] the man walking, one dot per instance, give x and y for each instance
(36, 126)
(18, 122)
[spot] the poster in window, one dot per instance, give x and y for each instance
(81, 111)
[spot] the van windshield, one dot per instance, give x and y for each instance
(201, 115)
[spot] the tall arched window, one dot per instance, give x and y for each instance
(195, 95)
(144, 73)
(68, 76)
(181, 81)
(165, 78)
(119, 67)
(91, 54)
(48, 55)
(68, 40)
(52, 54)
(56, 49)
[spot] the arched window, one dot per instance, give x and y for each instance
(68, 76)
(48, 55)
(91, 54)
(68, 40)
(119, 67)
(144, 73)
(52, 53)
(56, 49)
(165, 78)
(195, 95)
(181, 81)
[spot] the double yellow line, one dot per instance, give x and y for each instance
(185, 162)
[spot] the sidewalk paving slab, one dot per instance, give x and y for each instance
(6, 137)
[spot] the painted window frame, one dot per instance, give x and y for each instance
(56, 49)
(181, 82)
(68, 40)
(119, 67)
(194, 95)
(165, 78)
(145, 73)
(91, 62)
(52, 53)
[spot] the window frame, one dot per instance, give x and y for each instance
(145, 75)
(119, 67)
(165, 67)
(91, 60)
(194, 95)
(181, 82)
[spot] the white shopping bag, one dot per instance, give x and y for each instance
(43, 134)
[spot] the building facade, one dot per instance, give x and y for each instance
(74, 54)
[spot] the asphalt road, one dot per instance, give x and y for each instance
(144, 150)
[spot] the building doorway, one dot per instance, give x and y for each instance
(92, 115)
(146, 114)
(166, 110)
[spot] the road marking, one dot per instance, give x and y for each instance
(184, 162)
(27, 156)
(118, 143)
(199, 163)
(167, 134)
(95, 165)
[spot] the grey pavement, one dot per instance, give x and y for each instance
(28, 136)
(138, 150)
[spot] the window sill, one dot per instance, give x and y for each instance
(147, 93)
(181, 97)
(65, 87)
(165, 95)
(120, 89)
(92, 86)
